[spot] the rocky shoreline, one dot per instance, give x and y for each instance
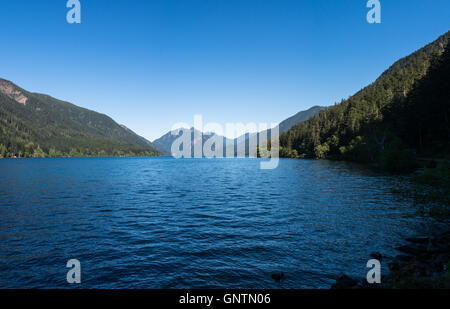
(423, 263)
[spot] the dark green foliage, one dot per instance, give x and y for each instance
(424, 115)
(432, 191)
(397, 158)
(406, 110)
(44, 126)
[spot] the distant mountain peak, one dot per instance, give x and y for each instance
(299, 118)
(164, 143)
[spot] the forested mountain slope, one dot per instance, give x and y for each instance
(37, 125)
(403, 113)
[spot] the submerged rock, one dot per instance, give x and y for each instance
(412, 249)
(424, 263)
(418, 240)
(377, 256)
(345, 282)
(403, 258)
(277, 277)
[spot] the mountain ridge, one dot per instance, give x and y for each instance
(37, 125)
(370, 125)
(164, 143)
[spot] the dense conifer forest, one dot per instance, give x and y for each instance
(403, 115)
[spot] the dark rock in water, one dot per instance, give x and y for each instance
(411, 249)
(366, 285)
(442, 240)
(345, 282)
(431, 164)
(403, 258)
(277, 277)
(400, 261)
(376, 255)
(393, 266)
(419, 240)
(424, 257)
(439, 261)
(441, 244)
(424, 263)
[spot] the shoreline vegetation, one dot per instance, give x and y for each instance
(39, 153)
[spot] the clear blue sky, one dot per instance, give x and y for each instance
(149, 64)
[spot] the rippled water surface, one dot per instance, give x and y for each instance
(193, 223)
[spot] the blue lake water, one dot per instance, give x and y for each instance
(194, 223)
